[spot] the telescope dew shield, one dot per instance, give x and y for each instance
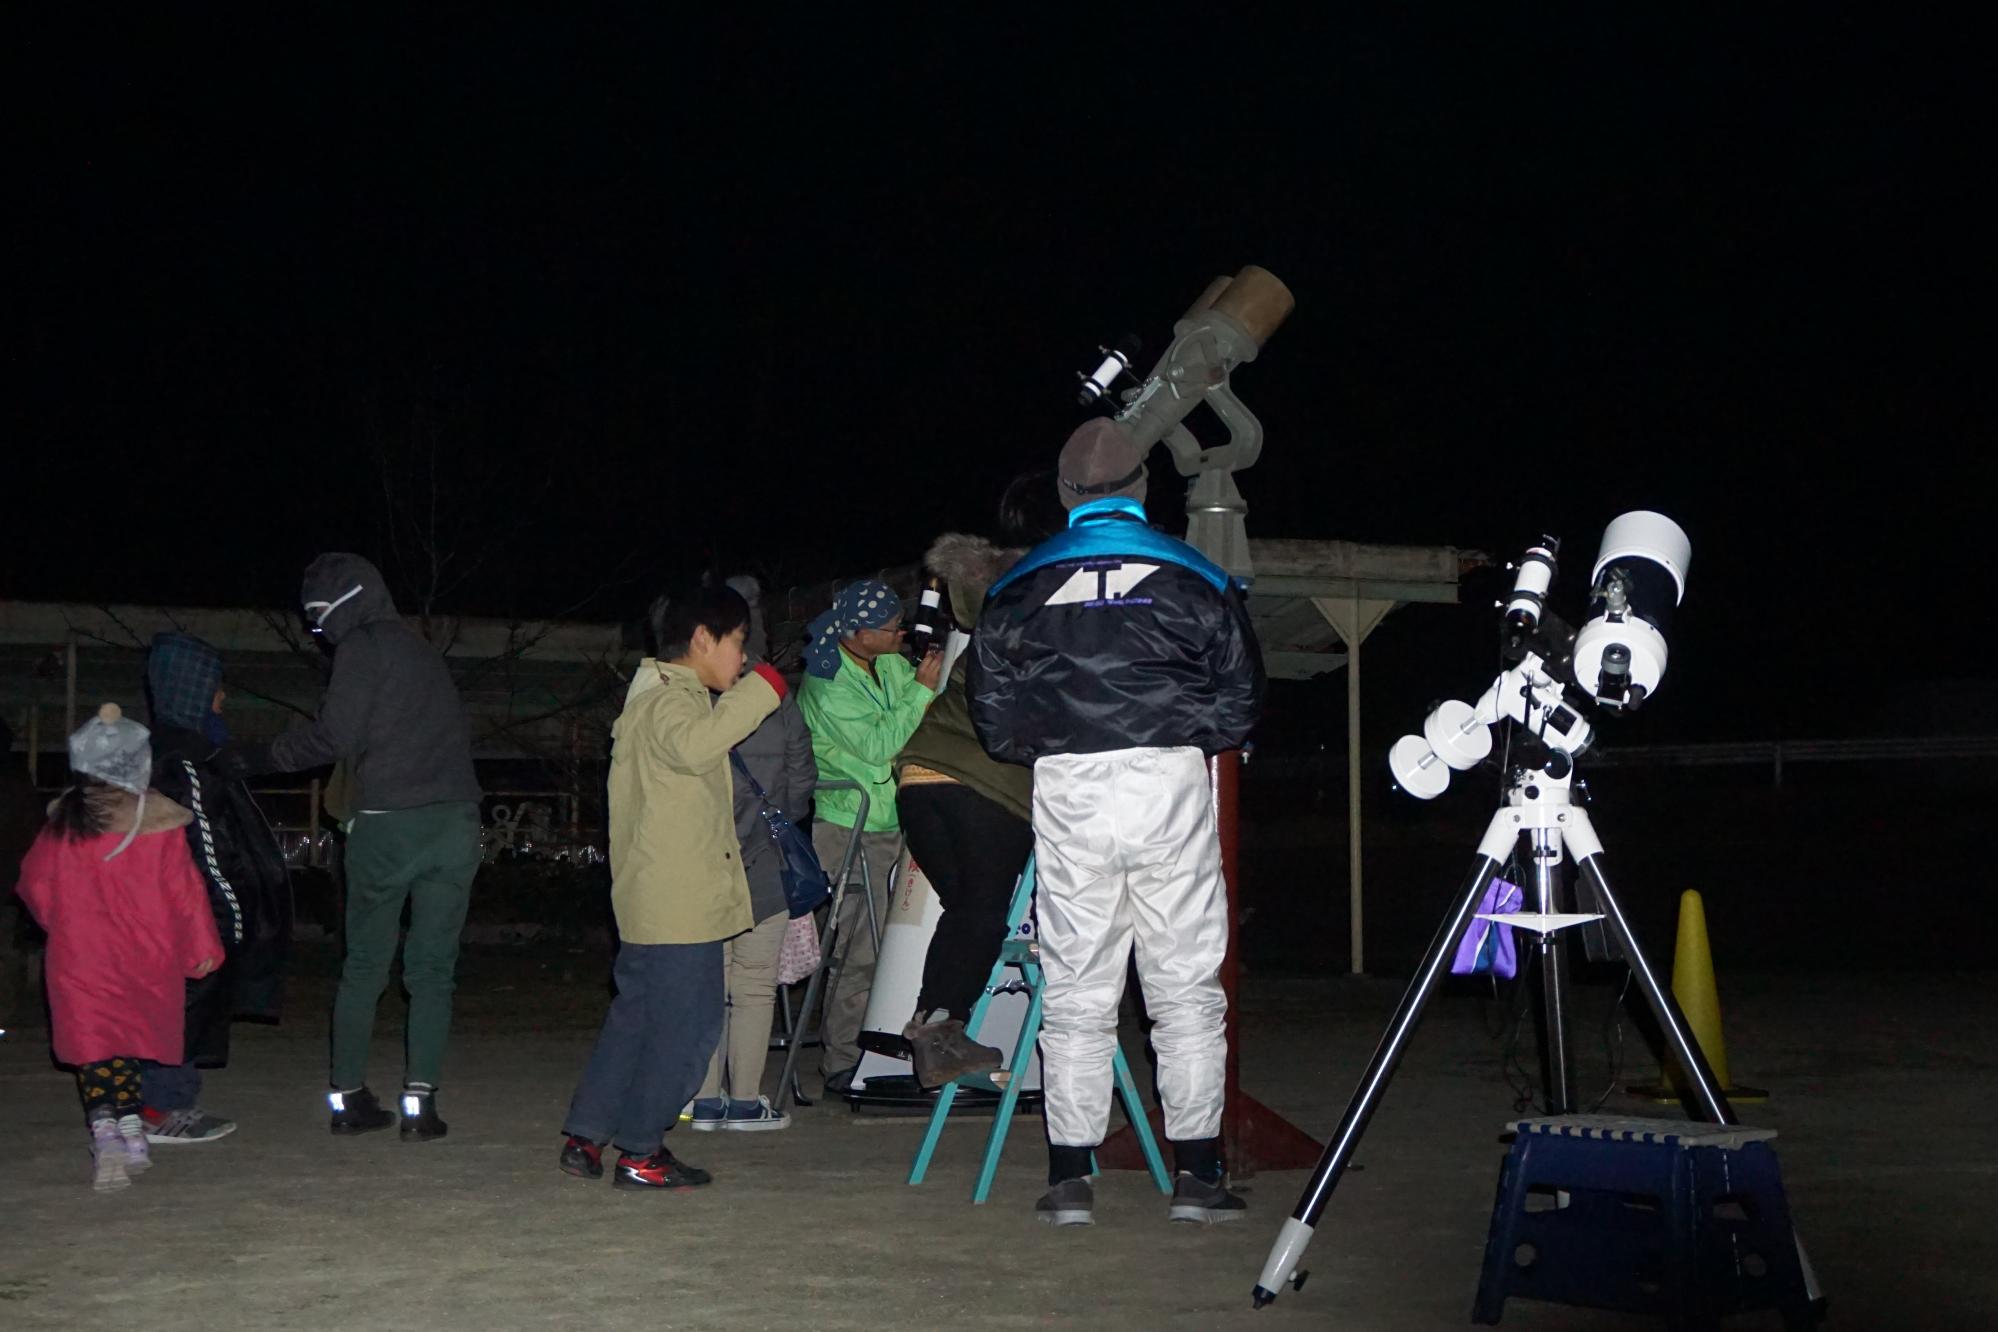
(1638, 581)
(1255, 300)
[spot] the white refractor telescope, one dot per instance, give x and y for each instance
(1616, 661)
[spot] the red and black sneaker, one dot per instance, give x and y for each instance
(661, 1170)
(582, 1158)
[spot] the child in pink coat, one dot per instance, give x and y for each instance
(128, 922)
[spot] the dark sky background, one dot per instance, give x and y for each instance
(652, 292)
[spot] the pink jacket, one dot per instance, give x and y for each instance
(123, 933)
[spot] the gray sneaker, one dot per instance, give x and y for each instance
(178, 1126)
(942, 1053)
(1194, 1199)
(1067, 1204)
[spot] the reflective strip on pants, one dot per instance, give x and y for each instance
(1128, 855)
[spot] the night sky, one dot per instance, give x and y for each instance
(653, 293)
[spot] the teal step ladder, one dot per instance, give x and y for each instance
(1025, 955)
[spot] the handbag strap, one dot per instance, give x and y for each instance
(754, 785)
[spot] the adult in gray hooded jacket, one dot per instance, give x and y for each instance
(393, 715)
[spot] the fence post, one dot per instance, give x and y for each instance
(312, 829)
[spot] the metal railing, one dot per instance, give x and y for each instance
(502, 830)
(1773, 754)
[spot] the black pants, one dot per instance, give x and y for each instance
(973, 850)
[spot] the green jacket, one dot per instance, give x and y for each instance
(946, 743)
(859, 723)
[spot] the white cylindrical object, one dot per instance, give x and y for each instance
(1650, 536)
(1417, 768)
(1458, 737)
(1280, 1269)
(1530, 584)
(898, 978)
(1647, 651)
(1105, 375)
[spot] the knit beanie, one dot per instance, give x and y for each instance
(114, 749)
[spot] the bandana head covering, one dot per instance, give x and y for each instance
(867, 604)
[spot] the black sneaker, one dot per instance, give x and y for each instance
(357, 1111)
(582, 1158)
(1194, 1199)
(942, 1053)
(661, 1170)
(1068, 1203)
(419, 1115)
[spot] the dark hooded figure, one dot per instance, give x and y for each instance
(393, 715)
(249, 886)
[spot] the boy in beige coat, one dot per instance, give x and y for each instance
(677, 887)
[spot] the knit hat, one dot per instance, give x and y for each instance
(1100, 460)
(114, 749)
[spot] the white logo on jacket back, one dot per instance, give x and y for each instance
(1096, 584)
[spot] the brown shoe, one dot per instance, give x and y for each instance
(943, 1053)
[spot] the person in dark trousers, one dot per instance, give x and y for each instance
(777, 756)
(966, 818)
(249, 886)
(1114, 660)
(677, 887)
(393, 715)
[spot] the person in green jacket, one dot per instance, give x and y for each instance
(862, 700)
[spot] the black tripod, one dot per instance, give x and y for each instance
(1539, 806)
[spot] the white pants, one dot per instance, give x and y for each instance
(1127, 853)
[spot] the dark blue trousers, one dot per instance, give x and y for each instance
(655, 1045)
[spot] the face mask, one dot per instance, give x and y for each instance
(317, 611)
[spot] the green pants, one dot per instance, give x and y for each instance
(426, 857)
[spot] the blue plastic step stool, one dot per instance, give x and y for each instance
(1654, 1216)
(1024, 954)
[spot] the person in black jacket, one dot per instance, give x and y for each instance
(249, 885)
(393, 714)
(1114, 659)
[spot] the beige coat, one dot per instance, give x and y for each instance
(676, 868)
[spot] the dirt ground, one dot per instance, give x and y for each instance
(1883, 1089)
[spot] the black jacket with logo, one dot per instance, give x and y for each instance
(1113, 636)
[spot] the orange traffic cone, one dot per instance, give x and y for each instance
(1699, 999)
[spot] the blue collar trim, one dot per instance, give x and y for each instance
(1105, 528)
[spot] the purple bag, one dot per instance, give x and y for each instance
(1486, 947)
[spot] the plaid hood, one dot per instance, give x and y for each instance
(182, 675)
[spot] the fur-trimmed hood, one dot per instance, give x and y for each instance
(969, 565)
(110, 809)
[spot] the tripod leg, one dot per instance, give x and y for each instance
(1558, 1069)
(1587, 849)
(1281, 1268)
(1711, 1100)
